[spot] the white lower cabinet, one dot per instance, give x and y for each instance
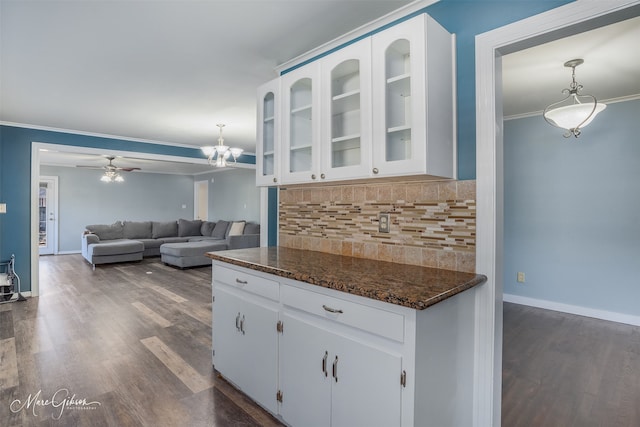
(330, 380)
(246, 343)
(316, 357)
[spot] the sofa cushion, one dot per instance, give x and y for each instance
(252, 228)
(220, 230)
(164, 229)
(107, 232)
(206, 228)
(137, 229)
(116, 247)
(237, 228)
(191, 248)
(189, 227)
(151, 243)
(175, 239)
(205, 239)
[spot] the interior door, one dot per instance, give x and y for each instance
(48, 215)
(201, 204)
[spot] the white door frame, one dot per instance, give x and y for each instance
(52, 199)
(566, 20)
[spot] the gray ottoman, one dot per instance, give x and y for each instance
(190, 254)
(118, 250)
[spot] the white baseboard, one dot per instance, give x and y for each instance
(68, 252)
(573, 309)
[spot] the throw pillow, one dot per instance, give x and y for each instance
(164, 229)
(207, 228)
(107, 232)
(220, 230)
(251, 228)
(189, 227)
(237, 228)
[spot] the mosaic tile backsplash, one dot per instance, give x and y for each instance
(433, 223)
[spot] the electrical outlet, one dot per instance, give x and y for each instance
(3, 208)
(384, 222)
(520, 277)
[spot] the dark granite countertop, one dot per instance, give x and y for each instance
(401, 284)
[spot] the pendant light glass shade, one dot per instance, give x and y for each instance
(574, 116)
(578, 113)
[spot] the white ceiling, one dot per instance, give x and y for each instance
(168, 71)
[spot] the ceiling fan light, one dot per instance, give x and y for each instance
(572, 116)
(105, 178)
(119, 178)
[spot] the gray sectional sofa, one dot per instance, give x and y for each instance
(181, 243)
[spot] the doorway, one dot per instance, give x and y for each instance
(48, 215)
(201, 202)
(490, 47)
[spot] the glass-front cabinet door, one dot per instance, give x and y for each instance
(346, 101)
(301, 114)
(267, 172)
(399, 141)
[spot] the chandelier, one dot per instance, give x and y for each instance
(111, 176)
(578, 113)
(220, 155)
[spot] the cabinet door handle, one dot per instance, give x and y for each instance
(242, 325)
(332, 310)
(324, 363)
(335, 369)
(322, 176)
(313, 176)
(375, 171)
(238, 322)
(275, 179)
(241, 282)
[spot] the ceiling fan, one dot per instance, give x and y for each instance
(111, 171)
(110, 167)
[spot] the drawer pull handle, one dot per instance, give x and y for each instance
(335, 369)
(324, 363)
(238, 322)
(242, 325)
(332, 310)
(241, 282)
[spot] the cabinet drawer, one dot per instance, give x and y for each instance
(374, 320)
(247, 282)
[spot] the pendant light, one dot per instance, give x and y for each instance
(580, 109)
(219, 155)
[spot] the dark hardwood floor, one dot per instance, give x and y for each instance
(133, 337)
(136, 339)
(564, 370)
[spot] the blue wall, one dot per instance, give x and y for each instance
(572, 211)
(15, 181)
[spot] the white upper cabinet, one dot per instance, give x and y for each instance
(381, 106)
(268, 135)
(413, 100)
(301, 124)
(346, 112)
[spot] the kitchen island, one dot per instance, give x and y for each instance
(329, 340)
